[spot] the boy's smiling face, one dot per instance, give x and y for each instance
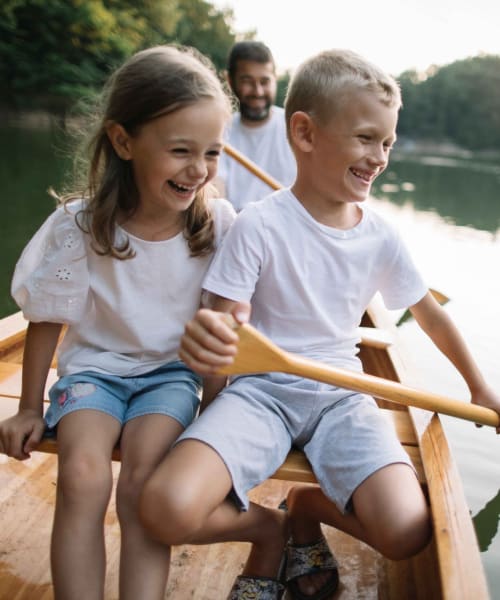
(343, 156)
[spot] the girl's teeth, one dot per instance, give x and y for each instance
(179, 188)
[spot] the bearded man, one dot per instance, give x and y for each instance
(258, 129)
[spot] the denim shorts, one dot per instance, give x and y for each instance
(253, 423)
(173, 390)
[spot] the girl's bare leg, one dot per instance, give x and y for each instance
(185, 503)
(85, 441)
(144, 561)
(389, 513)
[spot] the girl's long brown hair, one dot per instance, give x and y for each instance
(152, 83)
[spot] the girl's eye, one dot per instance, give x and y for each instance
(213, 153)
(364, 138)
(180, 150)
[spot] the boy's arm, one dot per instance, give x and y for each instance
(208, 342)
(438, 325)
(20, 434)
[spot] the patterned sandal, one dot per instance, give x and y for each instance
(256, 588)
(306, 559)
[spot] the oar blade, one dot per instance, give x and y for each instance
(256, 354)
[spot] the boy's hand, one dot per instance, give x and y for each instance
(488, 398)
(21, 434)
(209, 342)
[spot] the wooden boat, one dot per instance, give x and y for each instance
(449, 568)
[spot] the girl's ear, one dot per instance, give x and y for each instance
(120, 140)
(301, 131)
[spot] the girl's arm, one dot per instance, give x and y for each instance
(443, 332)
(20, 434)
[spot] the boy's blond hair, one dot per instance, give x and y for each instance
(320, 84)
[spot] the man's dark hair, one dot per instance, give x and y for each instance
(248, 50)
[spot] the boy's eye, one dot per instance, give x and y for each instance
(180, 150)
(213, 153)
(364, 138)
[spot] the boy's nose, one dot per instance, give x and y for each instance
(379, 155)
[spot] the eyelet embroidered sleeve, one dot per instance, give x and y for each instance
(51, 279)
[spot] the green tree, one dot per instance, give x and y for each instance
(207, 29)
(459, 103)
(53, 52)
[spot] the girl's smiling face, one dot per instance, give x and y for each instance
(175, 155)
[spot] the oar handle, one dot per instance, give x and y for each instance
(392, 390)
(251, 166)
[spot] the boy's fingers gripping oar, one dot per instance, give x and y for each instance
(257, 354)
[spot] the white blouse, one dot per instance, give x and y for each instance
(124, 317)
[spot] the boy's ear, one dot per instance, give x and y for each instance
(119, 139)
(301, 131)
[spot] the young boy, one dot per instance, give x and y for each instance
(309, 259)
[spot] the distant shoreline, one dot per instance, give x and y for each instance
(40, 119)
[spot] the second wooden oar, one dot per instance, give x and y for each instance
(257, 354)
(252, 167)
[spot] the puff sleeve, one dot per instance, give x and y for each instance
(51, 278)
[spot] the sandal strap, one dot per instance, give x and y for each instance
(256, 588)
(304, 559)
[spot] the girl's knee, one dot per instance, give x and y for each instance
(129, 486)
(83, 479)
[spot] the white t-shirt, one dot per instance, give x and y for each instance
(267, 146)
(124, 317)
(310, 284)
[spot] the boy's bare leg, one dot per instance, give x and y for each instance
(85, 440)
(144, 562)
(389, 513)
(185, 502)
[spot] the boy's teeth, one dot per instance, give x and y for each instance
(359, 174)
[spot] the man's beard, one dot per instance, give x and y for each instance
(251, 113)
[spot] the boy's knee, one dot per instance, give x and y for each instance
(168, 514)
(407, 538)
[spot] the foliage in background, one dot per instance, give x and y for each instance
(458, 103)
(53, 52)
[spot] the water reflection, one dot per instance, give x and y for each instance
(464, 192)
(32, 160)
(486, 522)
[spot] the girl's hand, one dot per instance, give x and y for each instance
(21, 434)
(209, 342)
(488, 398)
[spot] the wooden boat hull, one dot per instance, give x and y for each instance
(449, 568)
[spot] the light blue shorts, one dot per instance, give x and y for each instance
(253, 423)
(172, 390)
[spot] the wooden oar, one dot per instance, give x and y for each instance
(252, 167)
(257, 354)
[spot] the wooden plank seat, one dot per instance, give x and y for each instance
(295, 468)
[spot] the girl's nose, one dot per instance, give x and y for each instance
(199, 167)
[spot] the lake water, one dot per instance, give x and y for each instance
(449, 212)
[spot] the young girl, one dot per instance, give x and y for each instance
(122, 267)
